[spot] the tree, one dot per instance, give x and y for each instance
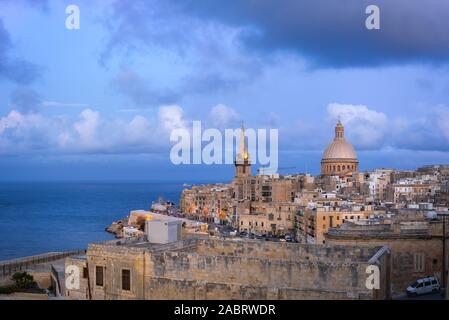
(24, 280)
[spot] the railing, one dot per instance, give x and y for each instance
(8, 267)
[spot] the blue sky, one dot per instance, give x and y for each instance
(99, 103)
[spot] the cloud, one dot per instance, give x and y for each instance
(25, 100)
(427, 131)
(171, 117)
(443, 121)
(87, 127)
(13, 68)
(367, 127)
(141, 91)
(222, 115)
(22, 133)
(332, 33)
(199, 57)
(61, 104)
(89, 133)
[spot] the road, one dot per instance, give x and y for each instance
(431, 296)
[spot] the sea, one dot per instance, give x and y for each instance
(40, 217)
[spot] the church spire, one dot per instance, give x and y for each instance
(243, 155)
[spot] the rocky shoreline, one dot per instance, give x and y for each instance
(116, 228)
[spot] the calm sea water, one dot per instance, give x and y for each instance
(43, 217)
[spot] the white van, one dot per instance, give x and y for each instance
(423, 286)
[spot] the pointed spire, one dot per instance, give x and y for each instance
(243, 150)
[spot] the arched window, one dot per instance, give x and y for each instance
(344, 167)
(338, 168)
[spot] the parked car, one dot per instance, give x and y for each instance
(423, 286)
(288, 238)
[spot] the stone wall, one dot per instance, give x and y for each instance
(225, 269)
(404, 254)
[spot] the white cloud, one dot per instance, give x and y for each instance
(23, 133)
(171, 117)
(87, 128)
(222, 115)
(12, 120)
(367, 127)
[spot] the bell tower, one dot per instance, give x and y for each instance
(242, 162)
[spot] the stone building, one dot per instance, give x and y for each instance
(314, 223)
(412, 191)
(201, 269)
(272, 219)
(416, 246)
(208, 203)
(339, 157)
(377, 183)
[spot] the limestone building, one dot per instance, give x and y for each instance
(313, 224)
(416, 245)
(272, 219)
(339, 157)
(202, 269)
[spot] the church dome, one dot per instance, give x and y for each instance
(339, 148)
(339, 158)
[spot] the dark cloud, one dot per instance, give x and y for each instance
(211, 60)
(332, 33)
(12, 68)
(140, 91)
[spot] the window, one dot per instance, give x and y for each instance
(85, 273)
(99, 276)
(324, 218)
(126, 279)
(241, 223)
(418, 262)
